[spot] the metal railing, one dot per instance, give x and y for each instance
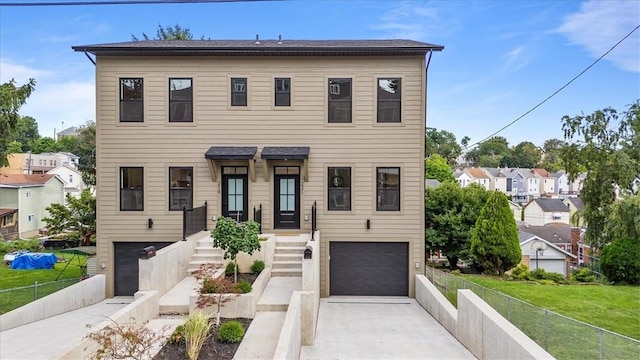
(194, 220)
(561, 336)
(314, 221)
(14, 298)
(257, 217)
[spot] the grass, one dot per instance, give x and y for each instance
(11, 278)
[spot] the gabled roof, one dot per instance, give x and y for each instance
(23, 180)
(261, 48)
(525, 238)
(476, 173)
(7, 211)
(577, 202)
(431, 183)
(551, 205)
(68, 131)
(542, 172)
(556, 233)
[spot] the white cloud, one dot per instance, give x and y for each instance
(20, 73)
(412, 20)
(517, 58)
(598, 25)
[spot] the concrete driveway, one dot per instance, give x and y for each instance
(380, 328)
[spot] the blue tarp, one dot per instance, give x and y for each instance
(32, 261)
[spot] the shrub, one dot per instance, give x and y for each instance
(546, 282)
(538, 274)
(257, 267)
(620, 261)
(230, 269)
(521, 272)
(244, 286)
(32, 245)
(177, 337)
(130, 340)
(196, 331)
(231, 332)
(583, 275)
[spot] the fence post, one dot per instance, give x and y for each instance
(35, 291)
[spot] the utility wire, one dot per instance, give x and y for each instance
(119, 2)
(556, 92)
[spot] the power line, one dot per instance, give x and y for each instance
(119, 2)
(556, 92)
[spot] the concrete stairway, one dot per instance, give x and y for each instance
(287, 258)
(204, 253)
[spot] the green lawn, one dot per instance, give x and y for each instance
(10, 278)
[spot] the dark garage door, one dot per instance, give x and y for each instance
(126, 265)
(371, 269)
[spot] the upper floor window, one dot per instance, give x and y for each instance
(339, 179)
(131, 189)
(388, 189)
(180, 188)
(389, 100)
(27, 193)
(131, 102)
(282, 92)
(339, 100)
(70, 178)
(180, 100)
(238, 91)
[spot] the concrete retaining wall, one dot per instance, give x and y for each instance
(87, 292)
(428, 296)
(289, 342)
(240, 305)
(169, 266)
(267, 249)
(311, 284)
(144, 308)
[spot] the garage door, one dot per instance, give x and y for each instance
(126, 265)
(371, 269)
(550, 265)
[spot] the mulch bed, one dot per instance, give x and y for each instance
(212, 347)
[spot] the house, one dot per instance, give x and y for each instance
(498, 180)
(463, 178)
(544, 211)
(561, 182)
(280, 125)
(575, 186)
(72, 179)
(574, 204)
(8, 224)
(547, 182)
(516, 209)
(479, 177)
(538, 252)
(431, 183)
(30, 195)
(73, 131)
(28, 163)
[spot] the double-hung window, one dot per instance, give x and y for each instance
(339, 183)
(238, 91)
(389, 100)
(388, 189)
(180, 188)
(131, 100)
(180, 100)
(339, 100)
(282, 92)
(131, 189)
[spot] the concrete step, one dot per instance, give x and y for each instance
(207, 257)
(195, 265)
(301, 244)
(287, 265)
(286, 272)
(206, 250)
(287, 257)
(174, 309)
(289, 250)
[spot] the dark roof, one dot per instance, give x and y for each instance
(552, 205)
(285, 152)
(5, 211)
(261, 48)
(231, 152)
(24, 180)
(553, 233)
(577, 202)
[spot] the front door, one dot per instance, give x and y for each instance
(235, 193)
(287, 197)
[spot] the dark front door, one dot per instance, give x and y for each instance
(125, 268)
(235, 193)
(287, 197)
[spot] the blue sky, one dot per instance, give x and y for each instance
(501, 58)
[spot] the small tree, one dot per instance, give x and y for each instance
(494, 240)
(436, 167)
(130, 340)
(78, 216)
(620, 261)
(233, 238)
(222, 288)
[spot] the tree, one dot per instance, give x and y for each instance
(86, 150)
(494, 240)
(551, 159)
(233, 238)
(620, 261)
(436, 167)
(43, 145)
(523, 155)
(450, 215)
(624, 220)
(490, 152)
(67, 144)
(11, 100)
(176, 32)
(26, 133)
(603, 144)
(442, 143)
(78, 217)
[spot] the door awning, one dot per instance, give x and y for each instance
(230, 153)
(286, 153)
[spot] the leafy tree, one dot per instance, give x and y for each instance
(436, 167)
(11, 100)
(465, 141)
(620, 261)
(442, 143)
(66, 144)
(450, 215)
(14, 147)
(494, 240)
(78, 217)
(603, 144)
(175, 32)
(551, 160)
(523, 155)
(490, 152)
(233, 238)
(44, 145)
(86, 150)
(26, 133)
(624, 220)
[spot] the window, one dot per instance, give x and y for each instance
(180, 100)
(8, 220)
(238, 91)
(27, 193)
(70, 178)
(131, 103)
(31, 218)
(389, 100)
(339, 179)
(131, 189)
(180, 188)
(388, 189)
(283, 92)
(339, 100)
